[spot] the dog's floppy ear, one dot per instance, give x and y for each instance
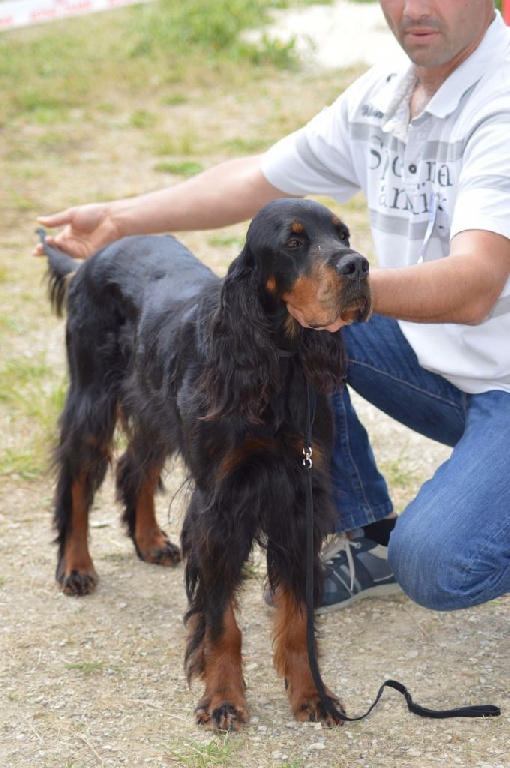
(243, 365)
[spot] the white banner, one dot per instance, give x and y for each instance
(23, 13)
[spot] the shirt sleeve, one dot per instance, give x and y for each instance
(483, 200)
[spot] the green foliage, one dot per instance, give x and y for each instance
(45, 74)
(213, 25)
(183, 168)
(226, 239)
(218, 752)
(141, 118)
(33, 401)
(86, 667)
(211, 28)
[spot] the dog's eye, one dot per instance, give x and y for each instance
(344, 237)
(294, 243)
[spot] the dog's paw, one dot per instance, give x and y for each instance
(221, 715)
(158, 550)
(77, 583)
(312, 709)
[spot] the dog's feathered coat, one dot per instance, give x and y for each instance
(217, 370)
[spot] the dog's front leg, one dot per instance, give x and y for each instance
(291, 661)
(223, 704)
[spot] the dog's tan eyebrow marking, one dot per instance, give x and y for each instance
(297, 227)
(336, 221)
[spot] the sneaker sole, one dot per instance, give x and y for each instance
(381, 590)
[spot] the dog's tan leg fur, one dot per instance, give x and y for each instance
(291, 660)
(223, 704)
(152, 543)
(76, 573)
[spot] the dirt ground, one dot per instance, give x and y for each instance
(99, 681)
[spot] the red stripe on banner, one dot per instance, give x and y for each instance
(23, 13)
(505, 8)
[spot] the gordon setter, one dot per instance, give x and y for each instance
(217, 370)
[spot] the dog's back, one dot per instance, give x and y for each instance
(110, 289)
(123, 304)
(129, 294)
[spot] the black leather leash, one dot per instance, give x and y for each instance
(480, 710)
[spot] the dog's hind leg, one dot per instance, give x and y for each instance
(138, 480)
(82, 458)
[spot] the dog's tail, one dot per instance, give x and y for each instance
(61, 268)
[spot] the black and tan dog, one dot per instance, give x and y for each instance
(217, 370)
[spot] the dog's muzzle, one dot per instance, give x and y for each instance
(353, 266)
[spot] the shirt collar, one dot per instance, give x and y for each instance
(482, 60)
(393, 99)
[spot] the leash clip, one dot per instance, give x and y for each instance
(307, 456)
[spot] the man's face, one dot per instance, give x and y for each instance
(434, 33)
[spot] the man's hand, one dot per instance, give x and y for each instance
(87, 228)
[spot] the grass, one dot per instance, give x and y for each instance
(185, 168)
(403, 480)
(163, 47)
(220, 751)
(86, 667)
(31, 399)
(72, 764)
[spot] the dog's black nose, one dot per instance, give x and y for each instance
(353, 266)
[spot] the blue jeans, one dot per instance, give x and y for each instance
(451, 546)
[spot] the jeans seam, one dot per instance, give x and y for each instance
(410, 385)
(353, 463)
(469, 567)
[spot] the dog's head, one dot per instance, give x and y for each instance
(303, 253)
(296, 254)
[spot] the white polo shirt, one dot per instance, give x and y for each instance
(446, 171)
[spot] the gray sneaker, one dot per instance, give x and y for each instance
(354, 567)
